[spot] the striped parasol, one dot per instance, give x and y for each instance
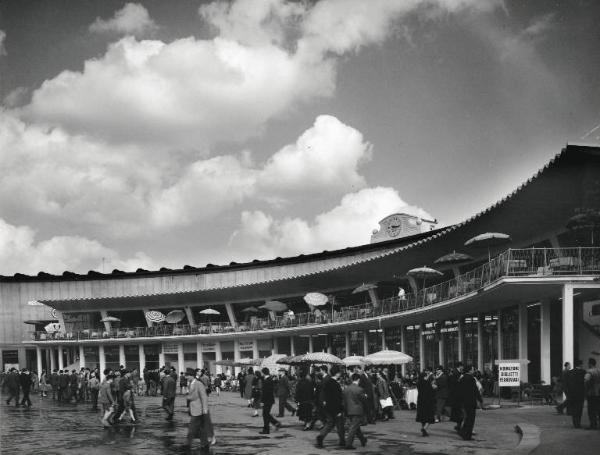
(155, 316)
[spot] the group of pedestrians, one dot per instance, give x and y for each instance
(14, 383)
(580, 385)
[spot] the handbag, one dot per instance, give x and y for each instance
(386, 403)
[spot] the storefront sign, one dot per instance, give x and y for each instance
(208, 347)
(246, 345)
(509, 374)
(169, 348)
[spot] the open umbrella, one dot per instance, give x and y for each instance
(175, 316)
(247, 362)
(321, 357)
(155, 316)
(225, 363)
(316, 299)
(110, 319)
(423, 273)
(291, 360)
(271, 363)
(356, 360)
(209, 312)
(389, 357)
(370, 288)
(52, 327)
(274, 305)
(454, 259)
(488, 240)
(585, 219)
(250, 310)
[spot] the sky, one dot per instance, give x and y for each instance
(162, 134)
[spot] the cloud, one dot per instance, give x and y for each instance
(132, 19)
(350, 223)
(2, 39)
(20, 252)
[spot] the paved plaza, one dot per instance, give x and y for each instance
(52, 428)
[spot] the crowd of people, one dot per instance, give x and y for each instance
(580, 385)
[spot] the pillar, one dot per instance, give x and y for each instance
(545, 373)
(383, 346)
(52, 359)
(421, 348)
(38, 357)
(231, 314)
(180, 358)
(499, 335)
(61, 360)
(292, 346)
(403, 346)
(365, 342)
(480, 342)
(275, 347)
(104, 314)
(199, 357)
(567, 324)
(161, 358)
(236, 354)
(441, 350)
(461, 337)
(190, 316)
(523, 354)
(122, 360)
(101, 361)
(218, 356)
(347, 344)
(142, 356)
(255, 353)
(81, 357)
(311, 346)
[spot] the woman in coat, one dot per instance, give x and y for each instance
(425, 400)
(248, 386)
(305, 397)
(256, 393)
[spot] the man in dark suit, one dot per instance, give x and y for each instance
(25, 380)
(576, 388)
(169, 392)
(332, 401)
(13, 383)
(456, 410)
(283, 393)
(367, 385)
(63, 385)
(469, 396)
(268, 399)
(354, 406)
(563, 379)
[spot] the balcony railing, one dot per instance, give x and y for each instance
(530, 262)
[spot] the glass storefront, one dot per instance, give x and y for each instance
(470, 340)
(449, 337)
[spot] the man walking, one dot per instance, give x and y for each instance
(441, 392)
(576, 388)
(12, 384)
(268, 399)
(563, 378)
(469, 396)
(332, 401)
(54, 383)
(354, 405)
(25, 380)
(283, 393)
(198, 407)
(592, 387)
(169, 392)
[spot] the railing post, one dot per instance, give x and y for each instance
(580, 262)
(508, 256)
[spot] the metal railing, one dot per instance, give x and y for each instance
(531, 262)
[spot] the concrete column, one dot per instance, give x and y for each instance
(311, 346)
(441, 346)
(421, 348)
(383, 345)
(81, 357)
(52, 358)
(347, 340)
(545, 373)
(190, 316)
(523, 354)
(104, 314)
(480, 342)
(365, 342)
(236, 354)
(142, 355)
(292, 346)
(180, 358)
(255, 353)
(122, 360)
(199, 357)
(403, 346)
(231, 314)
(38, 357)
(61, 321)
(461, 338)
(161, 358)
(567, 321)
(61, 360)
(218, 356)
(499, 335)
(275, 347)
(101, 361)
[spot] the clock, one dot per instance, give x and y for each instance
(394, 225)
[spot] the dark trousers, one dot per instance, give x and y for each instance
(354, 430)
(267, 417)
(593, 411)
(197, 429)
(576, 409)
(13, 393)
(370, 411)
(283, 404)
(467, 427)
(331, 421)
(94, 398)
(169, 405)
(26, 401)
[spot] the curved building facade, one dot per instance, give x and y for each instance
(534, 299)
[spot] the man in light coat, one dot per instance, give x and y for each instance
(198, 405)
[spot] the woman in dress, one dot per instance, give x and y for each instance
(305, 398)
(426, 400)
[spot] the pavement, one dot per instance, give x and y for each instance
(50, 428)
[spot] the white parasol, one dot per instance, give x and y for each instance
(389, 357)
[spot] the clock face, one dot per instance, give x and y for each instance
(394, 226)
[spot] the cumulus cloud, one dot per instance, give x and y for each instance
(21, 252)
(133, 18)
(350, 223)
(2, 38)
